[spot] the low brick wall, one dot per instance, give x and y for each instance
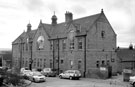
(97, 73)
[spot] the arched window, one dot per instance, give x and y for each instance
(40, 42)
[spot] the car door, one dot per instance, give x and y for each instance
(65, 74)
(68, 74)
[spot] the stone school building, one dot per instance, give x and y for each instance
(82, 44)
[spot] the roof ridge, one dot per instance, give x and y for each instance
(87, 16)
(78, 18)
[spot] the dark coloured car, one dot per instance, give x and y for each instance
(48, 72)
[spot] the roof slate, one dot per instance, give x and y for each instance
(60, 30)
(126, 54)
(22, 38)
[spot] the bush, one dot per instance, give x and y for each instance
(25, 77)
(11, 78)
(1, 81)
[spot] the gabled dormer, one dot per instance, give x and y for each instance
(71, 31)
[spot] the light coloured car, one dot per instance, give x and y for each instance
(24, 68)
(48, 72)
(132, 80)
(37, 77)
(26, 72)
(70, 74)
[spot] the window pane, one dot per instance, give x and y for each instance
(72, 44)
(63, 44)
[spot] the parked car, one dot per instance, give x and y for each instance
(39, 69)
(37, 77)
(132, 80)
(70, 74)
(25, 74)
(23, 69)
(48, 72)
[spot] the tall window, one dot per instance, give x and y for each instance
(23, 47)
(40, 43)
(63, 44)
(103, 34)
(62, 61)
(79, 43)
(56, 44)
(103, 63)
(71, 63)
(44, 62)
(79, 64)
(107, 62)
(51, 45)
(97, 64)
(26, 63)
(34, 62)
(72, 44)
(40, 63)
(26, 46)
(50, 63)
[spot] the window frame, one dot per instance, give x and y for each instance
(72, 45)
(80, 43)
(103, 34)
(63, 44)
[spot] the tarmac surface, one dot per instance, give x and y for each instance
(116, 81)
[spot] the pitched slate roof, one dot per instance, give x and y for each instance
(22, 38)
(126, 54)
(60, 30)
(17, 40)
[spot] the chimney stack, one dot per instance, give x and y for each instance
(68, 16)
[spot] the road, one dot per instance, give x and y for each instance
(83, 82)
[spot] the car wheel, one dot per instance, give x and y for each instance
(78, 78)
(70, 78)
(33, 80)
(60, 77)
(134, 84)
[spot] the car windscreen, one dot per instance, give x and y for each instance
(47, 69)
(37, 74)
(77, 72)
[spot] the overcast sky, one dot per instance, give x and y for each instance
(16, 14)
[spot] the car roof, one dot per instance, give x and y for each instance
(72, 70)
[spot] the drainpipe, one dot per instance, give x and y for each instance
(58, 54)
(85, 55)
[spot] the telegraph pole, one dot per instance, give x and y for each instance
(20, 53)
